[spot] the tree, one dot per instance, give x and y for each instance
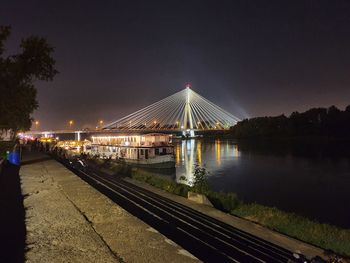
(18, 74)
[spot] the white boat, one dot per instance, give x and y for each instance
(152, 150)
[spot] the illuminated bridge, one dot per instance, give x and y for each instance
(184, 110)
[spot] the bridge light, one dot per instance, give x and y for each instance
(101, 122)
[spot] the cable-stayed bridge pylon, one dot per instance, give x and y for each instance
(184, 110)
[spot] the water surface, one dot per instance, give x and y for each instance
(309, 179)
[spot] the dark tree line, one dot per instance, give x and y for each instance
(317, 122)
(18, 75)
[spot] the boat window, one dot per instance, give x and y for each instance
(157, 151)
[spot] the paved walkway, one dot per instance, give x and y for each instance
(69, 221)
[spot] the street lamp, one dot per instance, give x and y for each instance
(36, 125)
(70, 124)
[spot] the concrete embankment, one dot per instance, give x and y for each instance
(69, 221)
(264, 233)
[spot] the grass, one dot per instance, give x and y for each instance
(162, 183)
(224, 201)
(322, 235)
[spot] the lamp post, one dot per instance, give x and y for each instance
(36, 125)
(70, 124)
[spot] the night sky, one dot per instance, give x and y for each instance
(252, 58)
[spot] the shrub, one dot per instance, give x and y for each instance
(200, 183)
(5, 146)
(223, 201)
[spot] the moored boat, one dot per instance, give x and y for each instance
(152, 150)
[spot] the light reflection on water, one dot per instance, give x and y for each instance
(294, 177)
(209, 155)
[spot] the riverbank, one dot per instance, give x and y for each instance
(67, 220)
(325, 236)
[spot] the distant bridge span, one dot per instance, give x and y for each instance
(185, 110)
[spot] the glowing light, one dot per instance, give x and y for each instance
(185, 108)
(199, 152)
(218, 152)
(178, 154)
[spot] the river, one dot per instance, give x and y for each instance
(312, 180)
